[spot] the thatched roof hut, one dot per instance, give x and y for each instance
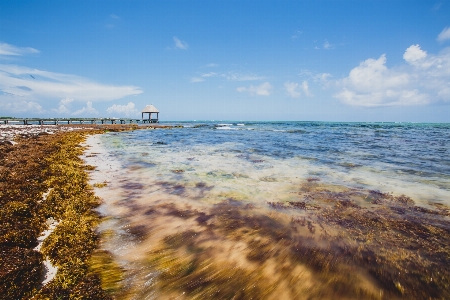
(150, 109)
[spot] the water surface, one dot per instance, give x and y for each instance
(302, 209)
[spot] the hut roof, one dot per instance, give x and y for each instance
(150, 109)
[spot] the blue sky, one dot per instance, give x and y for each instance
(227, 60)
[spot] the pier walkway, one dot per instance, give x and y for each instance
(57, 121)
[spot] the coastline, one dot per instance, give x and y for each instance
(47, 212)
(10, 132)
(330, 240)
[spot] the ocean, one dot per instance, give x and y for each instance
(263, 210)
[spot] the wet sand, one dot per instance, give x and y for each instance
(188, 239)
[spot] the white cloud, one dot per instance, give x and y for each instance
(114, 16)
(414, 53)
(66, 101)
(322, 77)
(10, 50)
(88, 110)
(291, 89)
(180, 44)
(327, 45)
(295, 90)
(424, 79)
(21, 106)
(316, 77)
(264, 89)
(305, 89)
(383, 98)
(212, 65)
(230, 76)
(36, 85)
(197, 79)
(444, 35)
(306, 73)
(63, 106)
(128, 110)
(202, 77)
(242, 77)
(210, 74)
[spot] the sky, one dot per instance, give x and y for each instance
(260, 60)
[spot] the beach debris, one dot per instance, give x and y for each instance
(312, 179)
(100, 185)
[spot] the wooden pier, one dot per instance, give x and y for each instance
(58, 121)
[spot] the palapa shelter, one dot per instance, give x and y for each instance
(150, 109)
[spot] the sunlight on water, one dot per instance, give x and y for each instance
(199, 213)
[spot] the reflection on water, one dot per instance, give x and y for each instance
(268, 213)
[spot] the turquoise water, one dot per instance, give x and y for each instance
(384, 156)
(282, 203)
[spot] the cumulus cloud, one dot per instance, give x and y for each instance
(63, 106)
(10, 50)
(32, 84)
(295, 90)
(128, 110)
(414, 53)
(423, 79)
(264, 89)
(180, 44)
(291, 89)
(87, 110)
(323, 78)
(444, 35)
(305, 89)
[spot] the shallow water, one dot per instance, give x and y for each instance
(189, 210)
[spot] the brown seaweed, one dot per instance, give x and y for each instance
(356, 244)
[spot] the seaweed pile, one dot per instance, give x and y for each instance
(331, 242)
(41, 178)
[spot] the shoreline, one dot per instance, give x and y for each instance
(10, 132)
(43, 178)
(335, 239)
